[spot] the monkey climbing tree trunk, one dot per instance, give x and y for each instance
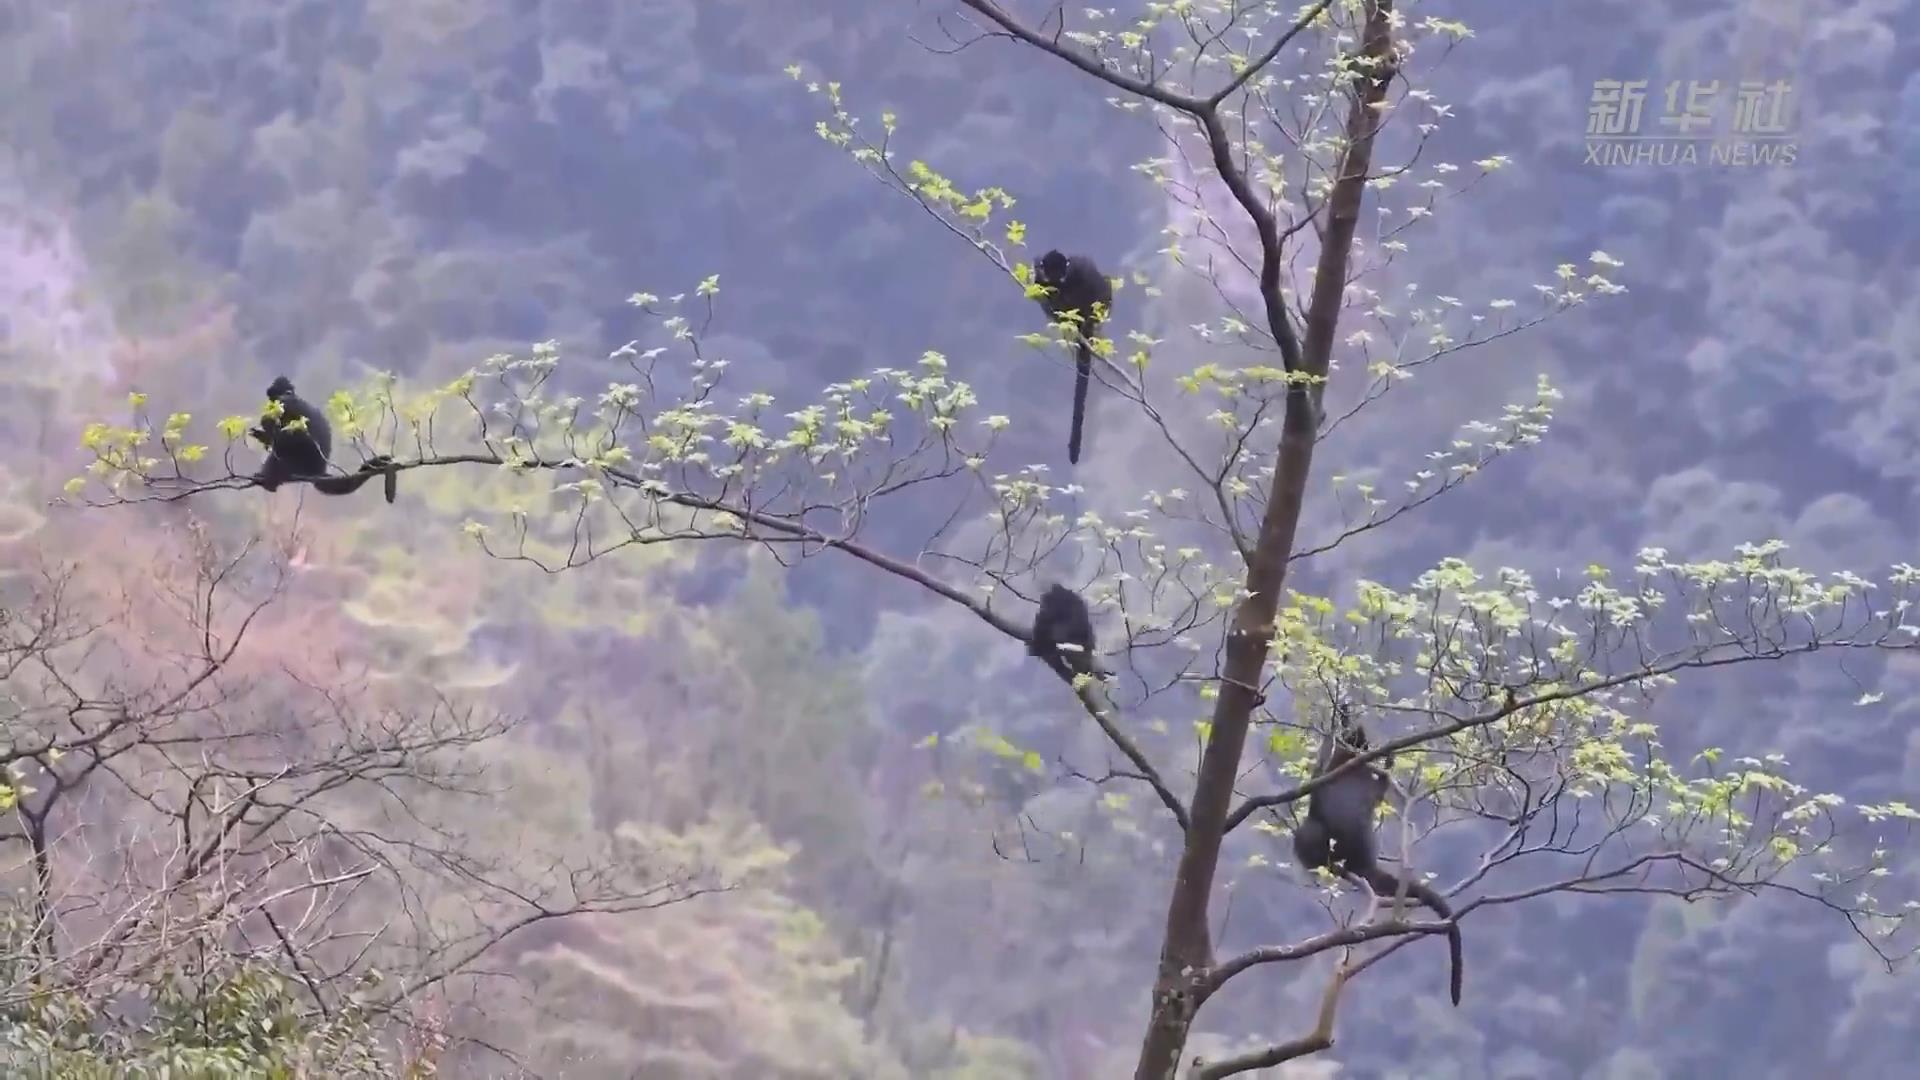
(1186, 953)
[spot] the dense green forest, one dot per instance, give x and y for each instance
(677, 719)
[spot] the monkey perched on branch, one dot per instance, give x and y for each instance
(299, 443)
(1078, 292)
(1063, 633)
(1337, 834)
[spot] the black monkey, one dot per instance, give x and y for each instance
(1075, 284)
(1338, 830)
(1063, 619)
(294, 453)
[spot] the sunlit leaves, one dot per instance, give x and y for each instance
(999, 746)
(970, 214)
(1454, 29)
(938, 192)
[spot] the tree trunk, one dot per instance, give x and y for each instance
(1187, 949)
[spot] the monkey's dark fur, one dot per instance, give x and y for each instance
(1063, 619)
(294, 454)
(1075, 285)
(1338, 830)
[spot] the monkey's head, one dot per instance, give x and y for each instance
(1051, 270)
(282, 387)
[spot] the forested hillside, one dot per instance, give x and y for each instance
(677, 718)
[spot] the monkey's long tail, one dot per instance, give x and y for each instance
(389, 476)
(1384, 885)
(1083, 374)
(340, 485)
(381, 466)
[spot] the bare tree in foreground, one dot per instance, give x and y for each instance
(1513, 712)
(205, 851)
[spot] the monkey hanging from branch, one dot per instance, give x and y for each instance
(299, 443)
(1077, 292)
(1337, 833)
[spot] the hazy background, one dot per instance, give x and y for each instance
(195, 197)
